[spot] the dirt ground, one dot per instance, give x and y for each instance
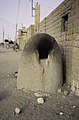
(55, 107)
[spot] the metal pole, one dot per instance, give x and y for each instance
(32, 8)
(15, 38)
(3, 34)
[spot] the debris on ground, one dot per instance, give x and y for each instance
(61, 106)
(59, 90)
(17, 110)
(74, 106)
(7, 75)
(38, 94)
(77, 92)
(41, 94)
(41, 97)
(64, 97)
(61, 113)
(73, 88)
(54, 107)
(16, 74)
(40, 100)
(66, 92)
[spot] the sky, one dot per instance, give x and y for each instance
(19, 11)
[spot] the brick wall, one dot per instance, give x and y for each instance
(21, 38)
(30, 31)
(63, 25)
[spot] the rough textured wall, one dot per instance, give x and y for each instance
(22, 42)
(30, 31)
(37, 13)
(63, 25)
(41, 65)
(74, 30)
(21, 38)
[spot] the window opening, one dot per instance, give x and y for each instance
(65, 23)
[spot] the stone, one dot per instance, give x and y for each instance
(73, 88)
(61, 113)
(17, 110)
(40, 100)
(16, 74)
(46, 94)
(77, 92)
(59, 90)
(38, 94)
(7, 75)
(73, 106)
(61, 106)
(13, 113)
(64, 97)
(66, 92)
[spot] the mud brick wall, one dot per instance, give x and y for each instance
(63, 25)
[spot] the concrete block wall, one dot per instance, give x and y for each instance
(74, 78)
(22, 42)
(30, 31)
(67, 39)
(42, 27)
(21, 37)
(63, 25)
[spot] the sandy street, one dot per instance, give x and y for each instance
(55, 107)
(9, 61)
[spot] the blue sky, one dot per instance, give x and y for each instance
(8, 14)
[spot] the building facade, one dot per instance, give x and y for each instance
(21, 37)
(63, 25)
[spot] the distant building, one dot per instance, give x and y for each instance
(21, 38)
(37, 18)
(24, 34)
(30, 31)
(37, 14)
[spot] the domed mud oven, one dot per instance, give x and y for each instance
(41, 65)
